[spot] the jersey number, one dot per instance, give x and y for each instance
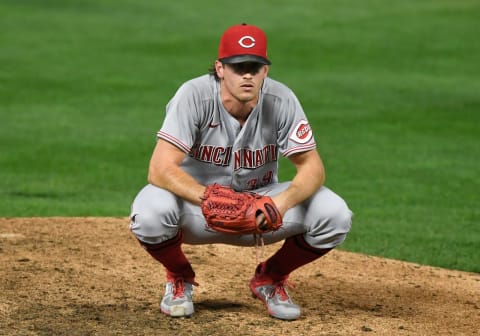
(260, 182)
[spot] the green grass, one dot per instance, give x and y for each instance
(392, 90)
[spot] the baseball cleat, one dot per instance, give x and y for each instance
(177, 300)
(275, 296)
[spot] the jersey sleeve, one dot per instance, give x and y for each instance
(295, 134)
(182, 118)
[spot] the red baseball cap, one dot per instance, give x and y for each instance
(243, 43)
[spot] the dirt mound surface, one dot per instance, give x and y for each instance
(88, 276)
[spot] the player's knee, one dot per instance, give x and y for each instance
(144, 225)
(332, 226)
(342, 219)
(151, 229)
(154, 219)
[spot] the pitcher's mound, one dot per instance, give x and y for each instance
(89, 276)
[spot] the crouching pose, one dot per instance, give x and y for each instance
(228, 127)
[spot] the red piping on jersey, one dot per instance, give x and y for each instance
(298, 149)
(173, 140)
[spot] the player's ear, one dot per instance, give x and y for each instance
(265, 70)
(219, 69)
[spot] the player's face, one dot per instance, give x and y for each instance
(242, 80)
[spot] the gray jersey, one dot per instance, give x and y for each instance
(219, 149)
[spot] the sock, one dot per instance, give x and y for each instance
(169, 253)
(294, 253)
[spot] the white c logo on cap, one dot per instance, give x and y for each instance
(247, 42)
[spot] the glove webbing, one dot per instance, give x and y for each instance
(227, 207)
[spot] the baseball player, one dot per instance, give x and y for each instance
(229, 127)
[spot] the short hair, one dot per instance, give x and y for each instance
(213, 72)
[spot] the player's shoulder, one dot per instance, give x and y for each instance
(204, 79)
(276, 88)
(199, 91)
(202, 84)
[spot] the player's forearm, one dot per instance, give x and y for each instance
(309, 178)
(164, 171)
(302, 187)
(175, 180)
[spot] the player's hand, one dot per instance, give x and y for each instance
(262, 222)
(281, 204)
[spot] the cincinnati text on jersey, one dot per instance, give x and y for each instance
(243, 157)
